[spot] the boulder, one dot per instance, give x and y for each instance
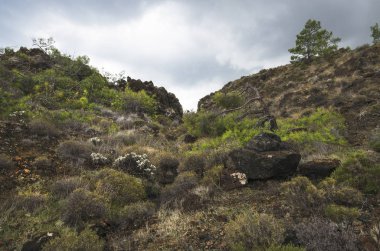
(264, 157)
(318, 168)
(265, 142)
(264, 165)
(37, 242)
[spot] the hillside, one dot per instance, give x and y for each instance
(90, 162)
(347, 82)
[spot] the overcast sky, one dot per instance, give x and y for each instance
(190, 47)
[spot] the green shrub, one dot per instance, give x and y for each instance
(361, 172)
(119, 188)
(253, 231)
(340, 194)
(69, 240)
(227, 100)
(285, 248)
(135, 214)
(82, 206)
(42, 128)
(213, 176)
(175, 192)
(136, 102)
(301, 194)
(64, 187)
(74, 151)
(341, 213)
(194, 163)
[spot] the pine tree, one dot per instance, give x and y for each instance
(313, 41)
(375, 33)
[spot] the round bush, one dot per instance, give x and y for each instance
(254, 231)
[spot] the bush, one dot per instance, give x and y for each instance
(361, 172)
(341, 214)
(212, 177)
(135, 164)
(5, 163)
(340, 194)
(82, 206)
(135, 214)
(322, 235)
(167, 170)
(62, 188)
(302, 195)
(182, 185)
(119, 188)
(254, 231)
(42, 163)
(194, 163)
(69, 240)
(43, 128)
(227, 100)
(74, 151)
(30, 202)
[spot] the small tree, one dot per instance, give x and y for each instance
(45, 44)
(375, 33)
(313, 41)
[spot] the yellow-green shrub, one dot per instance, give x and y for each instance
(361, 172)
(253, 231)
(69, 240)
(341, 213)
(118, 187)
(227, 100)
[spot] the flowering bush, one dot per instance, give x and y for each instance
(136, 164)
(98, 159)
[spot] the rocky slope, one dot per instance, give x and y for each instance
(348, 82)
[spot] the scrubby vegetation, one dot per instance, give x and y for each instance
(93, 162)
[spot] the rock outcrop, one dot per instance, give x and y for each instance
(264, 157)
(168, 103)
(319, 168)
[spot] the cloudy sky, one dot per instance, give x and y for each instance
(191, 47)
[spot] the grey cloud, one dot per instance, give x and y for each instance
(226, 38)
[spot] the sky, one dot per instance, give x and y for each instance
(191, 47)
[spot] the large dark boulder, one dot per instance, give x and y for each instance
(264, 165)
(264, 157)
(318, 168)
(37, 242)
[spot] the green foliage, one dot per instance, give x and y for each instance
(119, 188)
(341, 213)
(285, 248)
(227, 100)
(361, 172)
(138, 101)
(375, 33)
(323, 125)
(313, 41)
(69, 240)
(203, 124)
(253, 231)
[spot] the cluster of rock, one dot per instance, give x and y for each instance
(168, 103)
(267, 157)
